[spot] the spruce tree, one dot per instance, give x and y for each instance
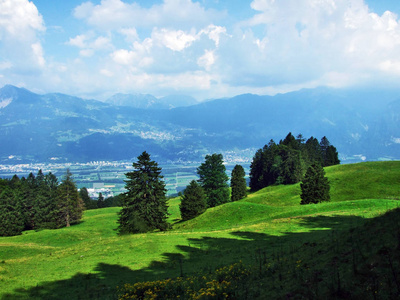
(257, 171)
(100, 201)
(145, 204)
(193, 201)
(238, 183)
(89, 203)
(315, 186)
(214, 180)
(69, 205)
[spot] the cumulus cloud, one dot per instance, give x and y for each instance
(89, 43)
(183, 45)
(314, 38)
(20, 29)
(176, 40)
(19, 19)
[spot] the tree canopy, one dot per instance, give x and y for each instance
(286, 162)
(38, 202)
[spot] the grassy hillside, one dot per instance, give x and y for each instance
(90, 260)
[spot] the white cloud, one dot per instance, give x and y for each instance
(38, 54)
(130, 34)
(182, 45)
(19, 19)
(21, 27)
(176, 40)
(207, 60)
(214, 32)
(116, 14)
(78, 41)
(295, 41)
(89, 43)
(124, 57)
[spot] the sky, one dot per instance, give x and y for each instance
(202, 48)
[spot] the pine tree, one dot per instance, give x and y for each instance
(145, 205)
(238, 183)
(315, 186)
(214, 180)
(193, 201)
(100, 201)
(69, 204)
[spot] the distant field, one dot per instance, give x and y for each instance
(89, 260)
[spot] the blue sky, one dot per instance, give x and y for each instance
(205, 48)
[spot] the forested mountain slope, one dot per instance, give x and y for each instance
(42, 127)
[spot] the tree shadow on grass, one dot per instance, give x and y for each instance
(200, 255)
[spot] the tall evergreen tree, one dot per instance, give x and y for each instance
(69, 205)
(315, 186)
(193, 201)
(331, 156)
(257, 171)
(145, 205)
(214, 180)
(238, 183)
(100, 201)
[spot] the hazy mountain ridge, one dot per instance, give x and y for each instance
(147, 101)
(41, 127)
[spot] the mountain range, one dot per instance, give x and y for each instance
(361, 124)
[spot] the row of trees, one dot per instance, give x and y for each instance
(38, 202)
(212, 188)
(145, 204)
(101, 202)
(287, 161)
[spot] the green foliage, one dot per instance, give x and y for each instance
(11, 219)
(238, 183)
(286, 162)
(89, 203)
(145, 205)
(214, 180)
(69, 204)
(38, 203)
(315, 186)
(193, 201)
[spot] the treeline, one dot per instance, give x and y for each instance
(287, 161)
(101, 202)
(38, 202)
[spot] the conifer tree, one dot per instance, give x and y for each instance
(238, 183)
(193, 201)
(100, 201)
(69, 204)
(145, 204)
(257, 171)
(11, 219)
(214, 180)
(315, 186)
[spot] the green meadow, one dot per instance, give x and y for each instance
(91, 261)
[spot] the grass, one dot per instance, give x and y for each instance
(89, 260)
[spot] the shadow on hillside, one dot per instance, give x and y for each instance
(199, 255)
